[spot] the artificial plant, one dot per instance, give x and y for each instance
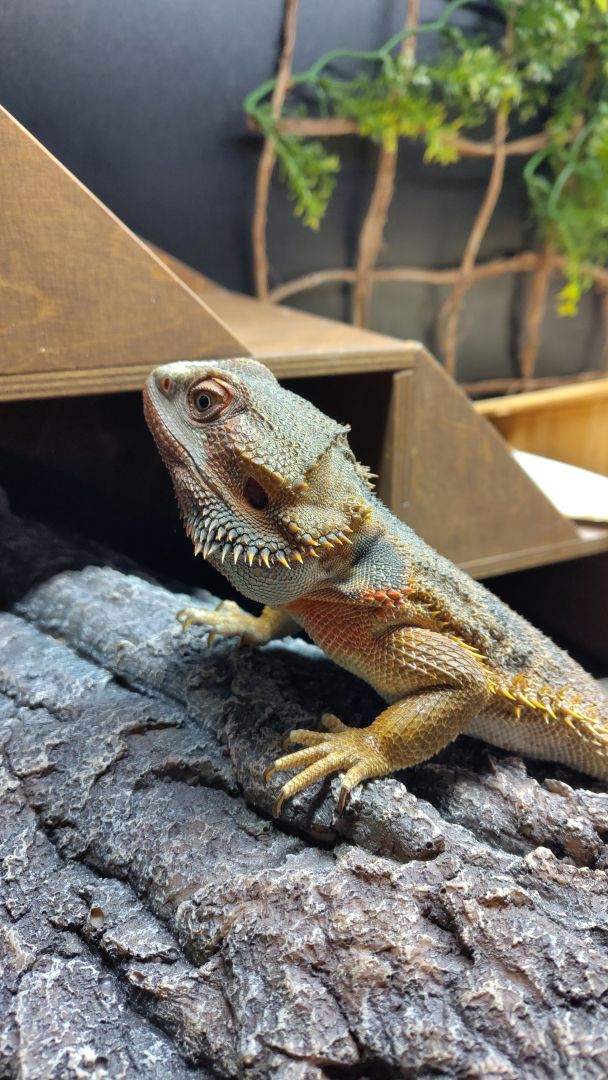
(542, 60)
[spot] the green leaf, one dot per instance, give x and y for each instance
(556, 60)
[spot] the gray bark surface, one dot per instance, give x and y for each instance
(155, 920)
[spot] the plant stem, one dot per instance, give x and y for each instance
(253, 99)
(268, 156)
(374, 223)
(451, 311)
(535, 313)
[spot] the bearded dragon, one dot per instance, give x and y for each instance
(272, 495)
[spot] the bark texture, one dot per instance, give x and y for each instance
(155, 921)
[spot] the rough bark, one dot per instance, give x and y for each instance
(155, 920)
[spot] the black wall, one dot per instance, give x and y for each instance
(142, 99)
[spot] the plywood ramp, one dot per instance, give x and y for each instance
(87, 307)
(293, 343)
(444, 469)
(84, 304)
(569, 423)
(451, 477)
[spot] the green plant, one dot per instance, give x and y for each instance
(550, 63)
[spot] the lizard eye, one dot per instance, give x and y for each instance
(208, 399)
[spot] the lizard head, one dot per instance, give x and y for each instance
(268, 487)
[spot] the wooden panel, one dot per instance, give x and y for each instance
(293, 343)
(442, 469)
(394, 484)
(569, 423)
(449, 477)
(77, 289)
(76, 383)
(584, 542)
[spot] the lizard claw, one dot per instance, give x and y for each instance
(191, 616)
(187, 616)
(352, 751)
(226, 620)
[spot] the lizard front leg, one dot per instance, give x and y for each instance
(229, 620)
(444, 686)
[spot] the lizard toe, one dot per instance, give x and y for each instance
(297, 760)
(304, 737)
(190, 615)
(349, 750)
(332, 723)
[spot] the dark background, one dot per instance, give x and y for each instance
(143, 101)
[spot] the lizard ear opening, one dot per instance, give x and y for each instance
(255, 494)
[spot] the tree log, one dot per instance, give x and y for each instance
(156, 921)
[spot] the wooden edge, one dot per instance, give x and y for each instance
(393, 482)
(589, 541)
(107, 380)
(271, 330)
(558, 396)
(366, 363)
(232, 343)
(73, 383)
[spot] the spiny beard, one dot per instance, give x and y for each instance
(211, 526)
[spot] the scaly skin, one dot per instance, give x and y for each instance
(271, 493)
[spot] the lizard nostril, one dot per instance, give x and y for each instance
(255, 494)
(166, 386)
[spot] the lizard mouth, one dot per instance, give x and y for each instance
(216, 531)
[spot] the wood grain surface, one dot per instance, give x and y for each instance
(78, 290)
(568, 423)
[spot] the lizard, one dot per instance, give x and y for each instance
(272, 495)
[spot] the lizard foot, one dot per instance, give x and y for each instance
(227, 620)
(339, 748)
